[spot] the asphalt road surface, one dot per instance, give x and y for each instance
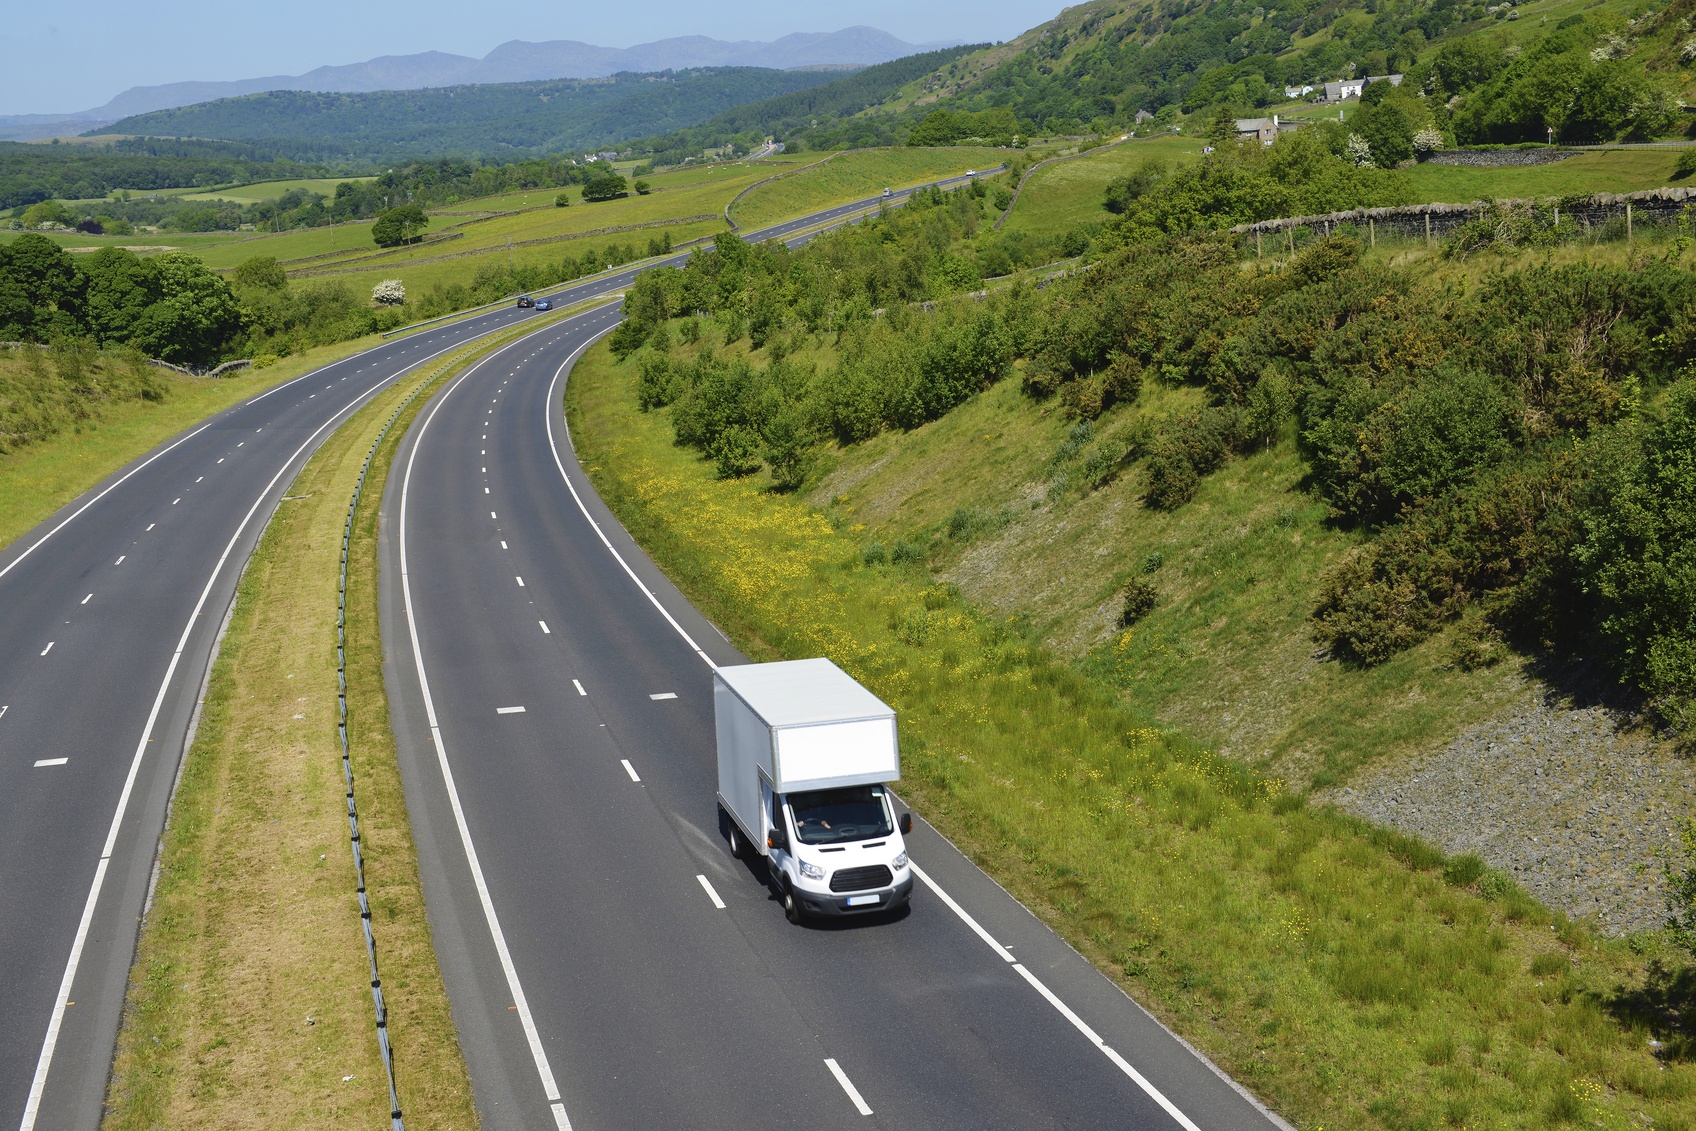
(109, 612)
(610, 965)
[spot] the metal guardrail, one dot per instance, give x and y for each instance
(396, 1123)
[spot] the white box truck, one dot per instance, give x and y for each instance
(805, 756)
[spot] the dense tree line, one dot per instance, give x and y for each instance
(168, 306)
(32, 173)
(172, 306)
(496, 121)
(1566, 84)
(897, 368)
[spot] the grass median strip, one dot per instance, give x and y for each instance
(250, 1002)
(1351, 976)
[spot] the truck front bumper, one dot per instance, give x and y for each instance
(837, 903)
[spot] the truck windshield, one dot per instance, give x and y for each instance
(826, 816)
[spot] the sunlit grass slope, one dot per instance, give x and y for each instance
(1350, 977)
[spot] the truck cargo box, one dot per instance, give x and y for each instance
(801, 725)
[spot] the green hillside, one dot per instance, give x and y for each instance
(787, 115)
(1590, 72)
(484, 119)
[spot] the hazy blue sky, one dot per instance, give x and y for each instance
(69, 59)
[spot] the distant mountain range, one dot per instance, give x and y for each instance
(514, 61)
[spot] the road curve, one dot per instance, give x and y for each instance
(109, 614)
(609, 963)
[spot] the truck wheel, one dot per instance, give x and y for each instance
(738, 849)
(792, 909)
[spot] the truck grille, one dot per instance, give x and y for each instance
(859, 879)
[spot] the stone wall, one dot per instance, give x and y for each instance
(1495, 158)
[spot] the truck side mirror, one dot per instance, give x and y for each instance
(906, 824)
(777, 838)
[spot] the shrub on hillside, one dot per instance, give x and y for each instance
(1140, 597)
(1190, 446)
(1637, 554)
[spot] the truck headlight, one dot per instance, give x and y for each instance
(901, 860)
(811, 871)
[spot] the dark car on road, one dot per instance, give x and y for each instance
(525, 302)
(544, 304)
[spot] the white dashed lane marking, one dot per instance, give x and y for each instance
(847, 1086)
(629, 769)
(664, 695)
(40, 762)
(509, 710)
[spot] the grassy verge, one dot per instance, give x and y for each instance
(1350, 976)
(249, 1002)
(38, 479)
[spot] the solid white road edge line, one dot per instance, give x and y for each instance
(32, 1106)
(572, 487)
(1118, 1061)
(847, 1086)
(549, 1086)
(707, 886)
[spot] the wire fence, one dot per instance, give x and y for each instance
(1606, 215)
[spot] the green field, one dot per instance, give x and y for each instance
(196, 242)
(1607, 170)
(739, 173)
(1069, 192)
(271, 190)
(856, 175)
(687, 211)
